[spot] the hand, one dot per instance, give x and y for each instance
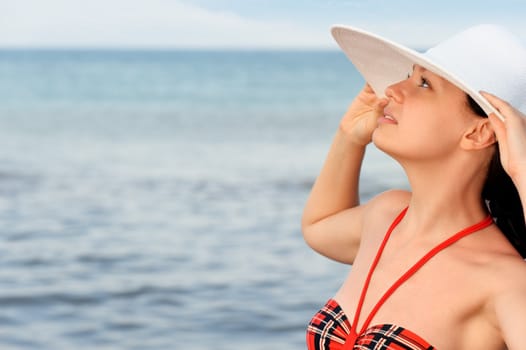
(511, 135)
(361, 117)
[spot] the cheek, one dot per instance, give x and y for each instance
(425, 130)
(415, 140)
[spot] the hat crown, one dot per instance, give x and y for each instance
(485, 57)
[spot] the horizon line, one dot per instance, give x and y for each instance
(175, 48)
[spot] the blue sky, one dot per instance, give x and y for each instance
(240, 23)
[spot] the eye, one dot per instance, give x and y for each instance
(424, 83)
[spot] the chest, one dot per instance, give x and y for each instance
(445, 295)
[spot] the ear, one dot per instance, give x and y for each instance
(479, 135)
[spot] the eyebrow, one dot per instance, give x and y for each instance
(437, 78)
(418, 66)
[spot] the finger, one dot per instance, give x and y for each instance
(382, 102)
(500, 105)
(498, 126)
(368, 88)
(515, 120)
(380, 105)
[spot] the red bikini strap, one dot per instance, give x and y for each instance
(396, 221)
(457, 236)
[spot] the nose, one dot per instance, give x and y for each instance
(395, 92)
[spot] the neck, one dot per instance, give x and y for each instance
(445, 196)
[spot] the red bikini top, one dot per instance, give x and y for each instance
(330, 329)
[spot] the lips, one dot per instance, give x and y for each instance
(388, 117)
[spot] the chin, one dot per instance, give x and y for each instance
(379, 141)
(383, 144)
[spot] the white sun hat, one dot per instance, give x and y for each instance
(485, 57)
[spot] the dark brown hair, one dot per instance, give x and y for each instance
(501, 197)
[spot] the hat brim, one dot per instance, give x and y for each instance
(383, 62)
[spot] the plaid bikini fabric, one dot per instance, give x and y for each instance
(329, 328)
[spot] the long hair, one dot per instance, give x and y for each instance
(501, 197)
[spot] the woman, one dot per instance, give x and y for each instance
(430, 269)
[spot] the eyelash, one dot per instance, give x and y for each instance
(424, 83)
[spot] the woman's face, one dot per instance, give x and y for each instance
(425, 118)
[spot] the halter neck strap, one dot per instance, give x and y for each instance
(446, 243)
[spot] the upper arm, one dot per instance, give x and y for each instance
(338, 236)
(510, 308)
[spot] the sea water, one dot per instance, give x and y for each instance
(152, 199)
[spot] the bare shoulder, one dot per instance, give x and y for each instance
(510, 271)
(504, 266)
(509, 298)
(340, 236)
(383, 208)
(387, 203)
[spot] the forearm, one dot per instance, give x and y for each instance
(337, 186)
